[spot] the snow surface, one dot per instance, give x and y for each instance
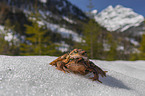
(118, 18)
(33, 76)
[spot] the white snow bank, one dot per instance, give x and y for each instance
(33, 76)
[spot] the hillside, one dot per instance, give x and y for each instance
(60, 17)
(33, 76)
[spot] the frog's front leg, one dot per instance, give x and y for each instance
(60, 66)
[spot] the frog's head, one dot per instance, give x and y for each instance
(78, 53)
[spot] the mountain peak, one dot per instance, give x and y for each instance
(118, 18)
(119, 6)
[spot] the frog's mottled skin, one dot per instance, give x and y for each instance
(77, 61)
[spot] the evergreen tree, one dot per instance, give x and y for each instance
(3, 43)
(9, 29)
(91, 36)
(142, 48)
(33, 44)
(112, 53)
(91, 39)
(8, 47)
(36, 41)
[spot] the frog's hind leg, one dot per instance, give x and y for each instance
(98, 69)
(96, 77)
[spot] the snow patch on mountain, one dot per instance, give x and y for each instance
(66, 33)
(8, 35)
(43, 1)
(68, 20)
(63, 47)
(94, 12)
(118, 18)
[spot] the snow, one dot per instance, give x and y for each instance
(1, 28)
(66, 33)
(94, 12)
(8, 34)
(120, 47)
(68, 20)
(9, 37)
(118, 18)
(63, 47)
(40, 23)
(134, 42)
(43, 1)
(33, 76)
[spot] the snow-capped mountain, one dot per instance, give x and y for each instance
(118, 18)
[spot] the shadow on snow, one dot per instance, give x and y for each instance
(113, 82)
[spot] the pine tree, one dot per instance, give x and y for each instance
(33, 44)
(36, 41)
(9, 28)
(8, 47)
(3, 43)
(142, 48)
(112, 53)
(91, 39)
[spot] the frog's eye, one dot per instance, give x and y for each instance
(75, 51)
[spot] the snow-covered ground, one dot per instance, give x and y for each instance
(33, 76)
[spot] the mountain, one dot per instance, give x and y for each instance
(120, 19)
(59, 7)
(59, 16)
(54, 14)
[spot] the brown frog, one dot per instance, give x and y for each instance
(77, 62)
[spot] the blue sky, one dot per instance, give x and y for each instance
(137, 5)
